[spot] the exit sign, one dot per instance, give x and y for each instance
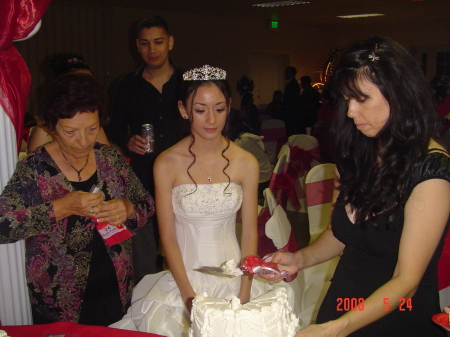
(274, 25)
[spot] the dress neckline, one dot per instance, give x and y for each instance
(221, 183)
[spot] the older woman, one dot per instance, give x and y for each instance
(62, 63)
(73, 275)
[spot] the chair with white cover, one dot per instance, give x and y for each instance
(280, 182)
(319, 194)
(275, 234)
(274, 132)
(274, 229)
(303, 155)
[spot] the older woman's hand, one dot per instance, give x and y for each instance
(115, 211)
(77, 203)
(287, 262)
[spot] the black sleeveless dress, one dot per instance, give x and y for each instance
(369, 260)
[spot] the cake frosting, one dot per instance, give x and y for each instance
(268, 315)
(230, 268)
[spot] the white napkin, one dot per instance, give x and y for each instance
(269, 200)
(278, 227)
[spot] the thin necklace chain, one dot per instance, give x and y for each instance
(77, 171)
(209, 179)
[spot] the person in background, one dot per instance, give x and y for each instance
(241, 136)
(309, 104)
(250, 113)
(441, 85)
(322, 128)
(275, 108)
(147, 96)
(62, 63)
(392, 200)
(72, 273)
(292, 102)
(201, 183)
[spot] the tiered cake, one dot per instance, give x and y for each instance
(269, 315)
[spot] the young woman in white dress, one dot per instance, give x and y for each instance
(200, 183)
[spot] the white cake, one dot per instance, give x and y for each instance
(269, 315)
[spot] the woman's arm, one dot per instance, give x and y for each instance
(166, 223)
(24, 212)
(426, 215)
(38, 136)
(249, 214)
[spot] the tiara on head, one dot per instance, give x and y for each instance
(205, 73)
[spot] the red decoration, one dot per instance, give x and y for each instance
(254, 265)
(17, 19)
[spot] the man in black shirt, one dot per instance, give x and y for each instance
(147, 96)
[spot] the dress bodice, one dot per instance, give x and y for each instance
(205, 222)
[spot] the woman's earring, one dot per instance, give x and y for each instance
(185, 117)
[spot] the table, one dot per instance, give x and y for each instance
(68, 329)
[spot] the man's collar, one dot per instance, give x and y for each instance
(141, 68)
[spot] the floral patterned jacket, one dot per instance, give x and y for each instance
(58, 253)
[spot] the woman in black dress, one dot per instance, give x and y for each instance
(392, 200)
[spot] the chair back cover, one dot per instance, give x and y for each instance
(274, 132)
(319, 194)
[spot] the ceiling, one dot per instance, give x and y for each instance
(320, 12)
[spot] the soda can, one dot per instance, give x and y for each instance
(149, 135)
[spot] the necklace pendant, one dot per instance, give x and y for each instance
(209, 178)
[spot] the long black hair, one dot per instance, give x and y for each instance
(374, 170)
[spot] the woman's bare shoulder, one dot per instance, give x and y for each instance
(242, 160)
(173, 155)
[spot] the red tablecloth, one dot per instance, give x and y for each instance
(67, 329)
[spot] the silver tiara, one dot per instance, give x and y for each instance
(205, 73)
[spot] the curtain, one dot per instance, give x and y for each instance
(18, 18)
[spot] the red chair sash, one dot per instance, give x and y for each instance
(283, 189)
(272, 135)
(319, 192)
(300, 160)
(444, 263)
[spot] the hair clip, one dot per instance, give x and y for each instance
(373, 57)
(205, 73)
(74, 60)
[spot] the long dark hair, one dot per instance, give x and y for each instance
(189, 89)
(374, 171)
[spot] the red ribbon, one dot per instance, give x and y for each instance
(444, 263)
(282, 187)
(319, 192)
(17, 20)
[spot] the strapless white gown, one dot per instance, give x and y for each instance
(205, 223)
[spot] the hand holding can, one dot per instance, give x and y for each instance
(149, 135)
